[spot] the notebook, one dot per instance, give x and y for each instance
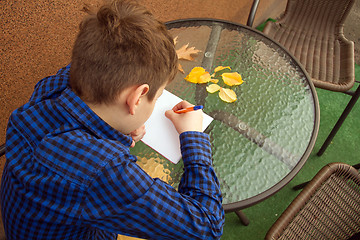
(161, 134)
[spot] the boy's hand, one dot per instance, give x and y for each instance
(137, 135)
(184, 122)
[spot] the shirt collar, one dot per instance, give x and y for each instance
(83, 114)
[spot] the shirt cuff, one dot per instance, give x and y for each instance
(195, 148)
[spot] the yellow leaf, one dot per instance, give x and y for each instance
(219, 68)
(232, 79)
(227, 95)
(214, 80)
(213, 88)
(204, 78)
(198, 75)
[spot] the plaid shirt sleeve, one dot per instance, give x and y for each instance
(124, 199)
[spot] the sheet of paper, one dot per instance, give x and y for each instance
(161, 134)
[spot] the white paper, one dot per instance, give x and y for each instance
(161, 134)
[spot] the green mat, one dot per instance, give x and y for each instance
(261, 26)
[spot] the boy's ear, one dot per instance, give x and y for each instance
(135, 97)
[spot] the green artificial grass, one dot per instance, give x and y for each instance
(342, 149)
(261, 26)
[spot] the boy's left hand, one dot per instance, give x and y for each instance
(137, 135)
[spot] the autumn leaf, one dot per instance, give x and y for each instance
(198, 75)
(227, 95)
(212, 88)
(187, 53)
(219, 68)
(205, 78)
(214, 80)
(232, 79)
(180, 68)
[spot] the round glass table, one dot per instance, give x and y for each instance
(262, 140)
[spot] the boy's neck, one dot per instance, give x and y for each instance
(111, 113)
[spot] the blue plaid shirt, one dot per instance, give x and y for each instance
(69, 175)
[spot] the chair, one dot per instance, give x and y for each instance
(2, 233)
(327, 208)
(312, 30)
(2, 150)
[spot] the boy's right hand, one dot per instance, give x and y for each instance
(184, 122)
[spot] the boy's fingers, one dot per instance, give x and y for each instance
(169, 114)
(137, 135)
(139, 130)
(182, 105)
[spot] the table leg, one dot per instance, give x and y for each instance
(209, 55)
(300, 186)
(241, 215)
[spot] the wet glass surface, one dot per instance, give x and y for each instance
(258, 139)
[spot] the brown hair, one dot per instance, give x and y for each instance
(121, 46)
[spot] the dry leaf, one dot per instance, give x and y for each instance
(214, 80)
(219, 68)
(180, 68)
(198, 75)
(185, 53)
(204, 78)
(227, 95)
(232, 79)
(175, 40)
(212, 88)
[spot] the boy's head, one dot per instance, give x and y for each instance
(121, 46)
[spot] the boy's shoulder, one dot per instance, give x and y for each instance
(52, 84)
(79, 156)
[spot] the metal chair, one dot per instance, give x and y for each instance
(2, 234)
(2, 150)
(312, 30)
(327, 208)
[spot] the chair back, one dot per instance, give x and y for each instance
(327, 208)
(317, 15)
(312, 30)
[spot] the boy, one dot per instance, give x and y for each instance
(69, 173)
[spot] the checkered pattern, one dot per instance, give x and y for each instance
(69, 175)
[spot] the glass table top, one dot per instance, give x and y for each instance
(263, 139)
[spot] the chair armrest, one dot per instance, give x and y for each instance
(2, 149)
